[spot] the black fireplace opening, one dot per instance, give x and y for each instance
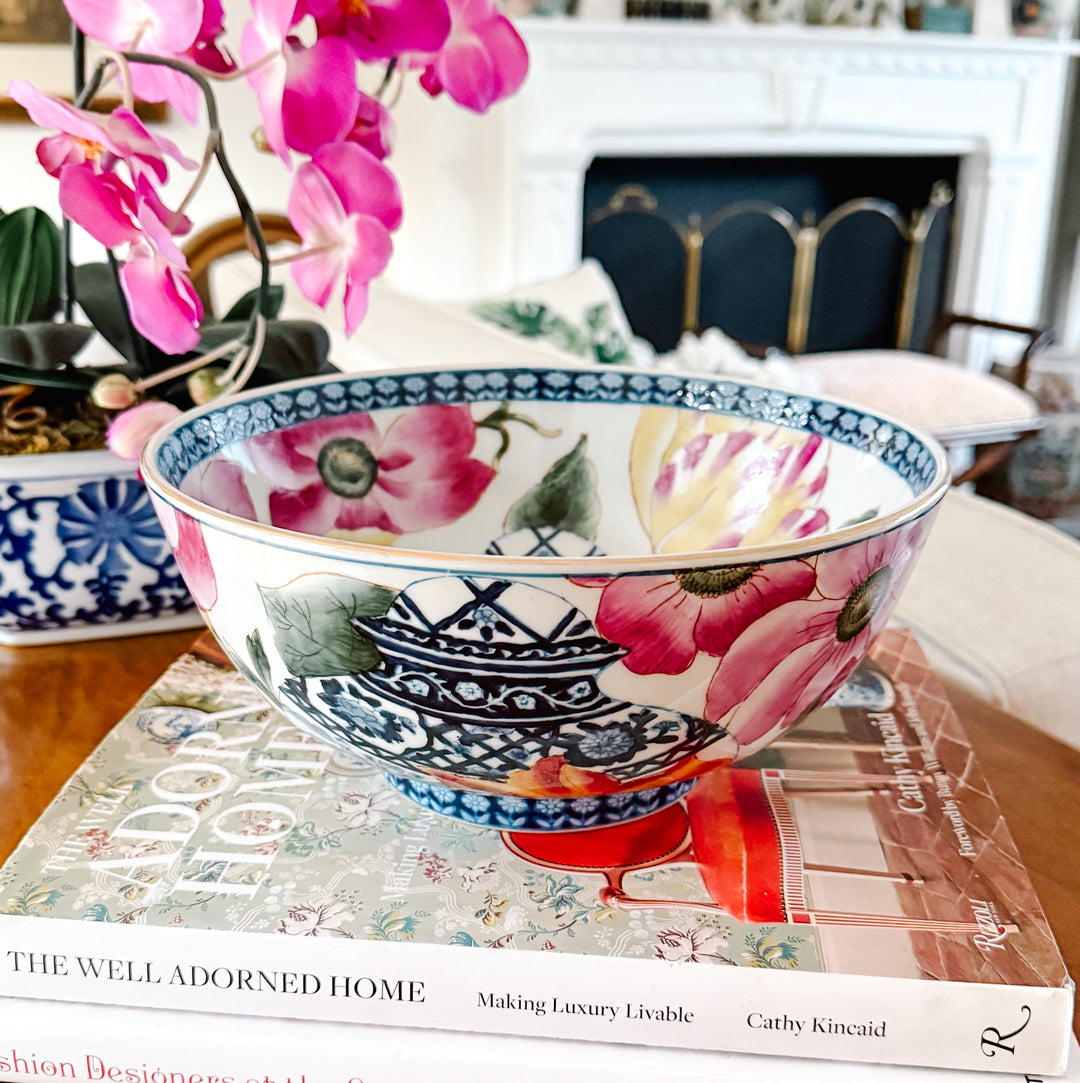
(692, 243)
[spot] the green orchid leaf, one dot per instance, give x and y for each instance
(312, 621)
(30, 266)
(100, 298)
(293, 348)
(566, 498)
(39, 353)
(245, 306)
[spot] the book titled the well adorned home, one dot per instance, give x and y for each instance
(852, 893)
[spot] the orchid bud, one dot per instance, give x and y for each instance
(114, 392)
(203, 385)
(129, 431)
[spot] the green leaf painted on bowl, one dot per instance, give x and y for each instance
(29, 266)
(312, 621)
(566, 498)
(257, 653)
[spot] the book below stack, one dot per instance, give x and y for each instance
(851, 893)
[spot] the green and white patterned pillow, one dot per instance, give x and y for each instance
(576, 315)
(595, 338)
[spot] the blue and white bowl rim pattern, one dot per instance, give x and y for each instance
(190, 439)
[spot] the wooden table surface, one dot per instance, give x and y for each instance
(57, 702)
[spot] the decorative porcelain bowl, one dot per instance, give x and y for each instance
(82, 555)
(543, 598)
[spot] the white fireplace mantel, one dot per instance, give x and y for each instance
(496, 201)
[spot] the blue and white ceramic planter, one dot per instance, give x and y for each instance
(82, 555)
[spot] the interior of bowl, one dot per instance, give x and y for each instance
(546, 462)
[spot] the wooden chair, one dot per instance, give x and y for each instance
(224, 238)
(963, 408)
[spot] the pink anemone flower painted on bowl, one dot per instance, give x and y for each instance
(342, 477)
(666, 620)
(185, 536)
(788, 662)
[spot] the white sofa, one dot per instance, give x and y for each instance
(995, 601)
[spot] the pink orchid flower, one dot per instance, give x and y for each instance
(168, 28)
(343, 203)
(374, 128)
(340, 476)
(307, 94)
(380, 29)
(483, 61)
(665, 621)
(788, 662)
(102, 140)
(164, 306)
(129, 431)
(205, 51)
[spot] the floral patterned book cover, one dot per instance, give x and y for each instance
(850, 893)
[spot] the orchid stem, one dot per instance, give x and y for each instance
(123, 73)
(212, 141)
(198, 362)
(387, 76)
(303, 253)
(252, 340)
(250, 356)
(251, 220)
(241, 73)
(67, 277)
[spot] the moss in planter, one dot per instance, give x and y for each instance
(29, 427)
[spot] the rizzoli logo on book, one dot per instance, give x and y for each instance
(993, 1041)
(992, 933)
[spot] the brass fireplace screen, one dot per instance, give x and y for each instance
(806, 238)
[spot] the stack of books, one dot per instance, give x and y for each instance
(215, 896)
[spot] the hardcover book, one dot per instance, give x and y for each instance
(45, 1039)
(852, 893)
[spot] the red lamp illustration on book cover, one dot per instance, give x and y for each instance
(738, 828)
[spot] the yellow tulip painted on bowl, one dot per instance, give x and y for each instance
(711, 481)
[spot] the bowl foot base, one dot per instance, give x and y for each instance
(505, 813)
